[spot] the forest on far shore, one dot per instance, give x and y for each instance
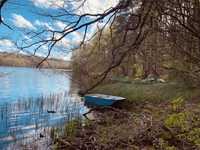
(20, 60)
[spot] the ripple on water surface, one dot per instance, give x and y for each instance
(33, 101)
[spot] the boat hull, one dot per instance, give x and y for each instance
(99, 101)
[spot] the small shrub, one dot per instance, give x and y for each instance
(178, 122)
(194, 136)
(177, 104)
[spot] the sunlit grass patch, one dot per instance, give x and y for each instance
(155, 92)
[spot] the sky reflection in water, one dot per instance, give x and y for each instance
(26, 98)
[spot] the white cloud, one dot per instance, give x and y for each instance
(60, 25)
(77, 38)
(95, 6)
(64, 42)
(43, 24)
(56, 25)
(90, 6)
(27, 38)
(24, 52)
(67, 57)
(48, 3)
(21, 22)
(7, 45)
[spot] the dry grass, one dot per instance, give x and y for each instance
(172, 123)
(151, 128)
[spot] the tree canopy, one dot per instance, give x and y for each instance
(155, 35)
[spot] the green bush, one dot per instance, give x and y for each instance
(178, 122)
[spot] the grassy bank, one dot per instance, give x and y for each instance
(155, 117)
(155, 92)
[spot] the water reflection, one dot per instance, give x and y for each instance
(26, 82)
(29, 118)
(29, 110)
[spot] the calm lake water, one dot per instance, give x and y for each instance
(32, 102)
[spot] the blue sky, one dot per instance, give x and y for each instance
(23, 17)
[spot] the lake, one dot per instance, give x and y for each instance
(33, 101)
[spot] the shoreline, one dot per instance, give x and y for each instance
(20, 60)
(149, 125)
(62, 69)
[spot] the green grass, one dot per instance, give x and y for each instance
(155, 92)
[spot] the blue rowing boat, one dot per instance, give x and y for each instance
(101, 99)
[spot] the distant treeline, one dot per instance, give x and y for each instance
(19, 60)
